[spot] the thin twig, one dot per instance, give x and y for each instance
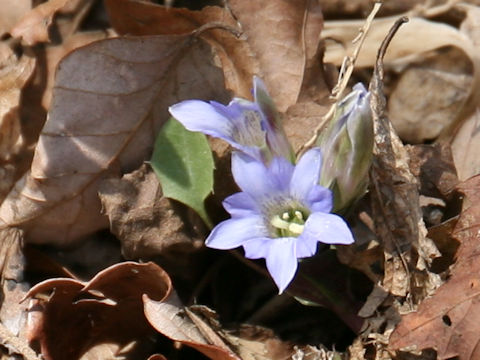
(346, 71)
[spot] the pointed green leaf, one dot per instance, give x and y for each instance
(184, 165)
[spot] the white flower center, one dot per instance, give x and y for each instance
(289, 223)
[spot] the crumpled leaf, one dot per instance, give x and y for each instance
(110, 99)
(33, 27)
(183, 162)
(142, 219)
(396, 208)
(450, 324)
(76, 316)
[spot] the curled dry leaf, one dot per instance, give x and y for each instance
(110, 99)
(143, 220)
(33, 27)
(170, 319)
(237, 60)
(108, 309)
(396, 208)
(450, 324)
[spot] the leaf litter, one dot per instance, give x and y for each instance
(80, 114)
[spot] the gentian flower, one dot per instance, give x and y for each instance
(280, 214)
(347, 148)
(253, 128)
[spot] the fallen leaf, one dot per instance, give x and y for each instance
(76, 316)
(33, 27)
(12, 12)
(284, 36)
(14, 74)
(143, 220)
(446, 323)
(142, 18)
(429, 95)
(169, 318)
(434, 168)
(110, 99)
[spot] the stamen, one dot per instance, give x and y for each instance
(286, 216)
(279, 223)
(298, 215)
(295, 228)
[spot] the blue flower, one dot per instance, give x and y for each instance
(280, 215)
(253, 128)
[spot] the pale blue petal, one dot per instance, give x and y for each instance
(282, 262)
(258, 248)
(320, 199)
(305, 247)
(233, 233)
(197, 115)
(326, 228)
(281, 170)
(252, 176)
(306, 174)
(240, 204)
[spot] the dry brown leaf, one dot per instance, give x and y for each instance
(142, 18)
(109, 101)
(429, 95)
(169, 318)
(450, 324)
(108, 309)
(33, 27)
(143, 220)
(411, 42)
(434, 168)
(14, 74)
(12, 12)
(396, 208)
(284, 36)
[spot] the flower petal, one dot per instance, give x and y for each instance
(306, 173)
(257, 248)
(252, 176)
(320, 199)
(281, 170)
(197, 115)
(240, 204)
(234, 232)
(282, 261)
(326, 228)
(305, 247)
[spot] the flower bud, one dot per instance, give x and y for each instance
(347, 148)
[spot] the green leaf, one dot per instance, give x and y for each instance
(183, 162)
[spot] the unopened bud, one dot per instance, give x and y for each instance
(347, 148)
